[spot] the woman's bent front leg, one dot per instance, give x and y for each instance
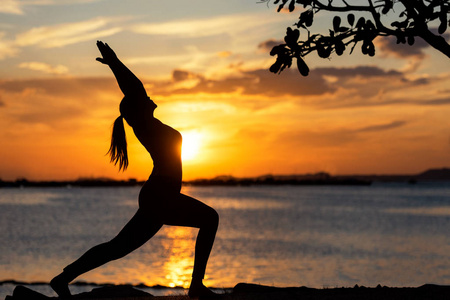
(187, 211)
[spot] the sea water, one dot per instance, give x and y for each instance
(315, 236)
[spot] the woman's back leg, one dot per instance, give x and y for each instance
(135, 233)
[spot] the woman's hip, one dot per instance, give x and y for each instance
(158, 190)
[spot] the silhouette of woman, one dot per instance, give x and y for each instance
(160, 200)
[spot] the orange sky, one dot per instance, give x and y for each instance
(206, 66)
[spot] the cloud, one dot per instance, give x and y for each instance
(224, 54)
(59, 103)
(256, 89)
(56, 100)
(43, 67)
(229, 24)
(59, 35)
(11, 7)
(66, 34)
(382, 127)
(318, 138)
(363, 71)
(267, 46)
(325, 88)
(288, 83)
(434, 101)
(7, 48)
(253, 82)
(334, 137)
(181, 75)
(18, 7)
(389, 47)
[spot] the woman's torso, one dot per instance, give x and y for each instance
(164, 145)
(161, 141)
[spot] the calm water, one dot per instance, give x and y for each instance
(324, 236)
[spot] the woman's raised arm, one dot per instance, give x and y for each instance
(130, 85)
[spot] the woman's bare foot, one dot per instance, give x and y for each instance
(202, 292)
(60, 285)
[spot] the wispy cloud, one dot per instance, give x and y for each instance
(382, 127)
(229, 24)
(7, 48)
(18, 7)
(43, 67)
(253, 82)
(66, 34)
(11, 7)
(390, 47)
(267, 46)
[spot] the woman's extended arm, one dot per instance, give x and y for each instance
(130, 85)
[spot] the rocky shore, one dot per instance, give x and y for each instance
(245, 291)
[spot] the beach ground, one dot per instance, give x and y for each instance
(244, 291)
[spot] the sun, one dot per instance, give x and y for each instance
(191, 145)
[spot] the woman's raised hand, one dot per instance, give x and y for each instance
(108, 54)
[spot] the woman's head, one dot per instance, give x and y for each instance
(132, 114)
(127, 112)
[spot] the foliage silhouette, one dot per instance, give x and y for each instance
(411, 21)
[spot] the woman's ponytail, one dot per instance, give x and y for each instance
(118, 148)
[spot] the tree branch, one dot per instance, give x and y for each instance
(345, 8)
(436, 41)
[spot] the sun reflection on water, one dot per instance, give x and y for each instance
(180, 248)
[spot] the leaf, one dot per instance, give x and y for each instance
(306, 18)
(401, 40)
(354, 45)
(364, 48)
(322, 51)
(371, 49)
(286, 62)
(343, 29)
(280, 7)
(339, 47)
(277, 49)
(351, 19)
(443, 26)
(370, 25)
(361, 22)
(275, 67)
(291, 37)
(411, 40)
(388, 4)
(336, 23)
(395, 24)
(292, 6)
(302, 66)
(368, 48)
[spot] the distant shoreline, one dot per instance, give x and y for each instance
(321, 178)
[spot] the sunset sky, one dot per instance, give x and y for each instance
(205, 63)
